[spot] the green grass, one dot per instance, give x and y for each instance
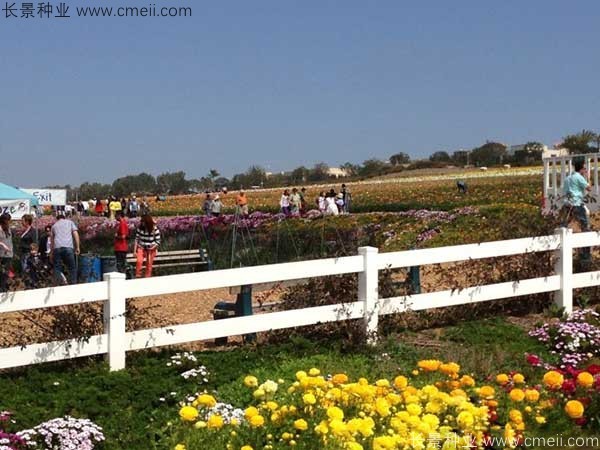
(126, 404)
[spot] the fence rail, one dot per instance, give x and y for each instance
(115, 290)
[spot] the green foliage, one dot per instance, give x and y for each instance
(399, 158)
(127, 403)
(440, 156)
(580, 142)
(489, 154)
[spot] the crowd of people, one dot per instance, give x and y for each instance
(328, 203)
(51, 257)
(130, 207)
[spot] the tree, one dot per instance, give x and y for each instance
(319, 172)
(372, 167)
(172, 182)
(399, 158)
(128, 184)
(461, 157)
(531, 153)
(489, 154)
(351, 169)
(580, 142)
(299, 175)
(440, 157)
(254, 176)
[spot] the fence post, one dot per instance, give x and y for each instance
(114, 319)
(563, 298)
(368, 291)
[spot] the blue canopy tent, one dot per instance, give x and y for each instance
(16, 202)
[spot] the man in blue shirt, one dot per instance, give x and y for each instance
(575, 188)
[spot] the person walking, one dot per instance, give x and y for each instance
(133, 207)
(45, 244)
(144, 207)
(147, 240)
(28, 237)
(347, 197)
(215, 208)
(295, 201)
(321, 204)
(6, 251)
(113, 207)
(241, 202)
(65, 246)
(575, 188)
(99, 207)
(121, 245)
(302, 201)
(207, 205)
(284, 203)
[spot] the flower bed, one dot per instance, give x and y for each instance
(434, 406)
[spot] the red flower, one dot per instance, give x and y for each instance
(594, 369)
(534, 360)
(573, 372)
(581, 422)
(569, 387)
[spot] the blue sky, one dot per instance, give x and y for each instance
(288, 83)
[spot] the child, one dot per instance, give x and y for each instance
(35, 268)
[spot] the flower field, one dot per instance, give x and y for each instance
(433, 192)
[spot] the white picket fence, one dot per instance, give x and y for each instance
(114, 291)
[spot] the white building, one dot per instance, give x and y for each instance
(337, 172)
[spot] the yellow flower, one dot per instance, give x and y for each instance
(272, 405)
(429, 365)
(353, 446)
(206, 400)
(574, 409)
(382, 407)
(246, 447)
(413, 409)
(286, 436)
(517, 395)
(322, 428)
(333, 412)
(339, 378)
(384, 443)
(502, 379)
(540, 419)
(257, 421)
(215, 421)
(465, 420)
(301, 374)
(251, 381)
(450, 368)
(585, 380)
(486, 392)
(518, 378)
(314, 372)
(269, 386)
(532, 395)
(400, 382)
(553, 380)
(338, 427)
(250, 412)
(515, 416)
(200, 424)
(309, 399)
(180, 447)
(259, 393)
(467, 381)
(300, 424)
(188, 413)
